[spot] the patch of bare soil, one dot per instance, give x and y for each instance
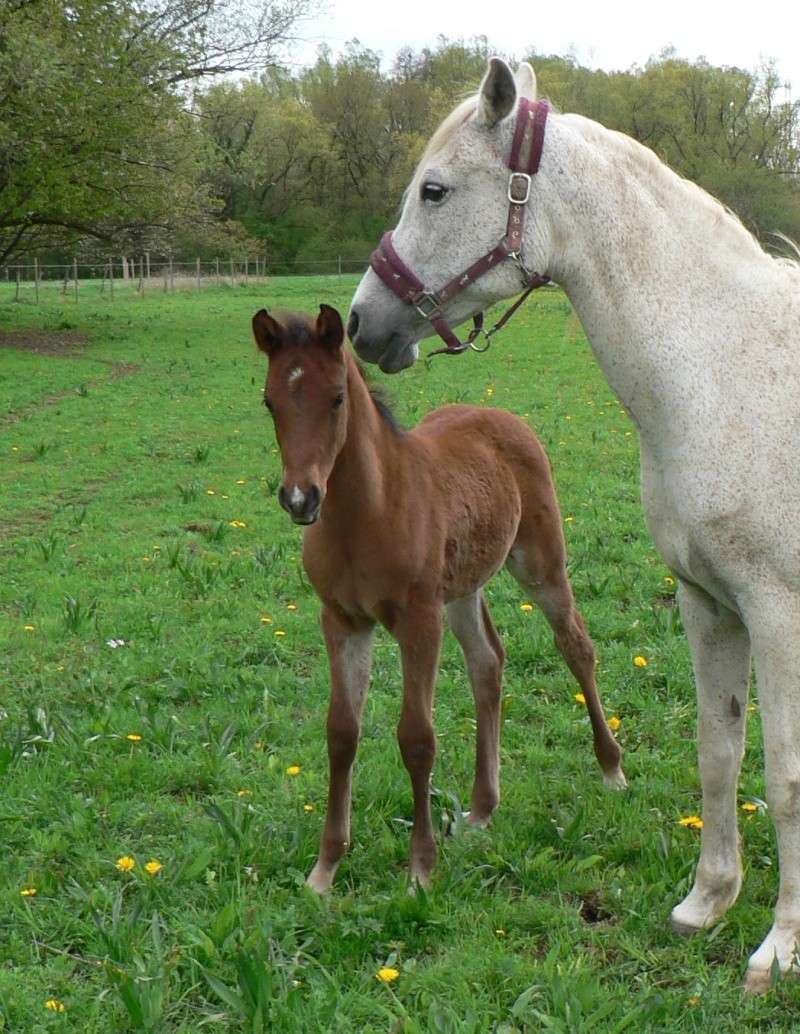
(45, 342)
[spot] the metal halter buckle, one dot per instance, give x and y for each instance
(426, 299)
(527, 180)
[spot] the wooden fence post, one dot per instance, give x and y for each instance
(16, 299)
(36, 279)
(216, 263)
(111, 275)
(75, 277)
(164, 271)
(147, 260)
(198, 272)
(232, 280)
(171, 275)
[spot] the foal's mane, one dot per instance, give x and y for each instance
(300, 330)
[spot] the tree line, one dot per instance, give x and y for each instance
(122, 129)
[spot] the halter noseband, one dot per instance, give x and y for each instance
(531, 119)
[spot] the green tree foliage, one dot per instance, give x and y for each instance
(316, 162)
(95, 138)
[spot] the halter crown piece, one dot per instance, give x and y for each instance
(531, 120)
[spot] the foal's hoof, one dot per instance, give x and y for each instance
(757, 981)
(615, 779)
(320, 880)
(476, 820)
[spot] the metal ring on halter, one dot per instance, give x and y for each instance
(488, 335)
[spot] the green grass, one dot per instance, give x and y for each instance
(121, 469)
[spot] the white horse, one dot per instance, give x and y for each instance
(698, 332)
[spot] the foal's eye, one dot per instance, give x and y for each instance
(338, 400)
(434, 193)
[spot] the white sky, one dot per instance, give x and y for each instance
(614, 34)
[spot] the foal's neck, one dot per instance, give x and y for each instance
(356, 486)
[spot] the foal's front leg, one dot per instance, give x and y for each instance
(350, 658)
(420, 637)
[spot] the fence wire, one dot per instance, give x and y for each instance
(33, 281)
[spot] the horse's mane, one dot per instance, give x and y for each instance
(653, 173)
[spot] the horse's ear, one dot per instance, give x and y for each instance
(267, 332)
(498, 93)
(330, 329)
(525, 79)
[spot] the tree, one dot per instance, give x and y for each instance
(96, 140)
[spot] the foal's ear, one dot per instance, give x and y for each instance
(330, 329)
(267, 331)
(498, 93)
(525, 79)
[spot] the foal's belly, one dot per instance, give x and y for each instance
(474, 552)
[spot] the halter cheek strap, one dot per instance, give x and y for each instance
(526, 153)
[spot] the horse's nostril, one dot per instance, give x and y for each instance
(312, 499)
(352, 324)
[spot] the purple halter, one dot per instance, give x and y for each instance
(531, 120)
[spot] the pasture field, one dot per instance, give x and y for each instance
(138, 475)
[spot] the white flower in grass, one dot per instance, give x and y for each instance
(115, 643)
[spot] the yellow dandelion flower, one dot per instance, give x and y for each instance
(694, 1000)
(308, 807)
(614, 723)
(210, 491)
(134, 737)
(691, 822)
(749, 806)
(580, 698)
(279, 632)
(29, 628)
(387, 974)
(500, 933)
(29, 892)
(291, 606)
(526, 608)
(153, 867)
(265, 619)
(125, 863)
(241, 481)
(568, 520)
(639, 661)
(54, 1005)
(237, 524)
(668, 580)
(293, 770)
(244, 793)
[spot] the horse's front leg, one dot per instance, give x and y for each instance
(420, 637)
(720, 647)
(350, 657)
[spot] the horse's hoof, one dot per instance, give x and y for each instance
(319, 881)
(757, 981)
(684, 929)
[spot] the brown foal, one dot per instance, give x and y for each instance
(401, 525)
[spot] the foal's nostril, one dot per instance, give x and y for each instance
(312, 501)
(352, 324)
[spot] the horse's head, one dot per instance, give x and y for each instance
(305, 392)
(455, 211)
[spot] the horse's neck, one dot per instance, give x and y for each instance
(657, 289)
(357, 481)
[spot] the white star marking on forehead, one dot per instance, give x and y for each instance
(295, 374)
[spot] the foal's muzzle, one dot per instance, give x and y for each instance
(302, 507)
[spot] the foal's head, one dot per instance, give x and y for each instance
(305, 393)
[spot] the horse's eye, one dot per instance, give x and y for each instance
(434, 193)
(338, 400)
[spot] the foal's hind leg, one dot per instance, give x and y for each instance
(472, 625)
(350, 658)
(721, 658)
(542, 572)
